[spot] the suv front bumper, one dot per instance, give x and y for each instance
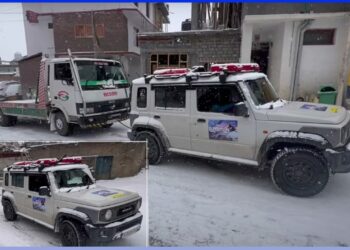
(338, 160)
(115, 230)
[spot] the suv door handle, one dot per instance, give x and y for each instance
(29, 196)
(201, 120)
(156, 117)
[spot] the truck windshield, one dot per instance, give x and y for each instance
(72, 178)
(95, 75)
(261, 91)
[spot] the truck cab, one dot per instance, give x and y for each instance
(62, 195)
(233, 113)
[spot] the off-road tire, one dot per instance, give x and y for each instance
(9, 211)
(299, 172)
(62, 126)
(72, 233)
(155, 147)
(7, 120)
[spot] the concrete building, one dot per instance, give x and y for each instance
(9, 72)
(107, 30)
(188, 48)
(301, 47)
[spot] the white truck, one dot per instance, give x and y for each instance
(62, 196)
(74, 91)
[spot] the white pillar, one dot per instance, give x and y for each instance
(246, 43)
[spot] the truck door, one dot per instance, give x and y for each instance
(215, 129)
(172, 109)
(63, 87)
(40, 207)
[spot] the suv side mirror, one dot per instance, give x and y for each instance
(241, 110)
(44, 191)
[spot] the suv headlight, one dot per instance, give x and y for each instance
(108, 214)
(138, 204)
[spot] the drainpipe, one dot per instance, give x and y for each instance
(301, 28)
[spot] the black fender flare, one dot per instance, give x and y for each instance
(278, 139)
(162, 137)
(82, 219)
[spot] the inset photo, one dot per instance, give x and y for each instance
(73, 194)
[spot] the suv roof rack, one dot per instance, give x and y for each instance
(46, 162)
(223, 70)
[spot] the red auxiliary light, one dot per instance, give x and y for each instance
(175, 71)
(235, 67)
(23, 163)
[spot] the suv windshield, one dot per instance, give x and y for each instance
(95, 75)
(72, 178)
(261, 91)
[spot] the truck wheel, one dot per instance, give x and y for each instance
(9, 211)
(62, 126)
(299, 172)
(72, 234)
(155, 148)
(7, 120)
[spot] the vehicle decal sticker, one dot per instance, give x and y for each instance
(223, 130)
(334, 109)
(105, 193)
(39, 203)
(111, 93)
(119, 195)
(63, 95)
(314, 107)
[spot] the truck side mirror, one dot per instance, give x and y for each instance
(241, 110)
(44, 191)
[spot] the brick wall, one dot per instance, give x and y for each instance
(29, 73)
(115, 35)
(202, 47)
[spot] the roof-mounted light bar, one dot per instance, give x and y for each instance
(235, 67)
(171, 71)
(48, 162)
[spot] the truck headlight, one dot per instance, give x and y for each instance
(88, 110)
(108, 214)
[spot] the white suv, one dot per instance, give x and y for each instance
(233, 114)
(62, 195)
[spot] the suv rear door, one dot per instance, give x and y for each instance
(215, 129)
(171, 107)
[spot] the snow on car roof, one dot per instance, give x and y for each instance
(204, 79)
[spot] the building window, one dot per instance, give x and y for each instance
(170, 97)
(142, 97)
(218, 99)
(37, 181)
(85, 30)
(319, 37)
(136, 32)
(50, 25)
(161, 61)
(147, 10)
(17, 180)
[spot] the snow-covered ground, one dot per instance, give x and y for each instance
(198, 202)
(27, 129)
(23, 232)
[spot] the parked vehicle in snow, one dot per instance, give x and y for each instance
(10, 90)
(62, 195)
(233, 114)
(74, 91)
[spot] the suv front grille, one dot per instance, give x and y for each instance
(120, 212)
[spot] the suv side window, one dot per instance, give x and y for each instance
(36, 181)
(6, 179)
(17, 180)
(218, 99)
(142, 97)
(62, 71)
(170, 97)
